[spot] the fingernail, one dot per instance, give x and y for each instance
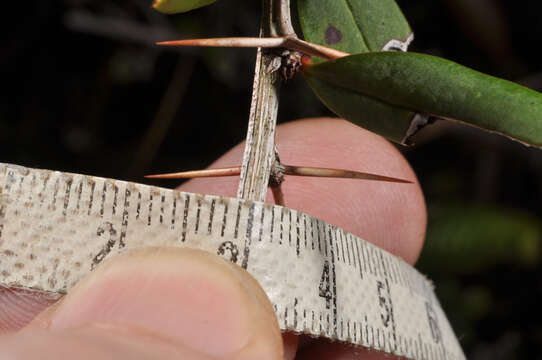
(188, 296)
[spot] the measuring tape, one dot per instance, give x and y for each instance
(57, 227)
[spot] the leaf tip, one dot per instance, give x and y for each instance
(158, 5)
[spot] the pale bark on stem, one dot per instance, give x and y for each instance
(259, 155)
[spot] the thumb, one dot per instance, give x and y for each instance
(164, 302)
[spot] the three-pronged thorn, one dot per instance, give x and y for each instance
(285, 170)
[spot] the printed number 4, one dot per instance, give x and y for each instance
(324, 289)
(384, 303)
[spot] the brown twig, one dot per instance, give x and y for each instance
(116, 27)
(169, 105)
(278, 195)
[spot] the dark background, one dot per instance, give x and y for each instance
(85, 90)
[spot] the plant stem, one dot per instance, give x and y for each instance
(259, 156)
(281, 20)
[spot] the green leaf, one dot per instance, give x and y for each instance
(374, 115)
(473, 238)
(353, 26)
(358, 26)
(179, 6)
(435, 86)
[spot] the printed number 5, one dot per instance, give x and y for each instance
(433, 323)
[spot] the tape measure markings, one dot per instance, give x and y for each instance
(56, 227)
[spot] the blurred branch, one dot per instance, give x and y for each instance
(165, 115)
(119, 29)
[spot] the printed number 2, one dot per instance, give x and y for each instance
(324, 288)
(105, 229)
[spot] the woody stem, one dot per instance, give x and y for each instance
(259, 155)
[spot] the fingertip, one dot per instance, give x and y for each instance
(189, 296)
(19, 306)
(390, 215)
(324, 350)
(93, 342)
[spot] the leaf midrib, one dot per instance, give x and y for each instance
(349, 7)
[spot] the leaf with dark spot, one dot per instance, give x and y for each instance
(363, 25)
(357, 26)
(333, 35)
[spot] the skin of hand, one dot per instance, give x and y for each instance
(166, 303)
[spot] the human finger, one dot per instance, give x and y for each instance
(194, 301)
(19, 306)
(392, 216)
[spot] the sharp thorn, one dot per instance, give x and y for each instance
(312, 49)
(338, 173)
(249, 42)
(231, 171)
(289, 42)
(286, 170)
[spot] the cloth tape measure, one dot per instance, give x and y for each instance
(56, 227)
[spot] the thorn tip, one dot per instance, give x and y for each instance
(338, 173)
(231, 171)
